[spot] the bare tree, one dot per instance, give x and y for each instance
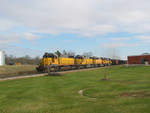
(58, 53)
(23, 60)
(64, 52)
(71, 53)
(88, 54)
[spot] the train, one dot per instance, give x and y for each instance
(52, 62)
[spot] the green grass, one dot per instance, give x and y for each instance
(17, 70)
(59, 94)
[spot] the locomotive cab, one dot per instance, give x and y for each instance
(49, 59)
(79, 59)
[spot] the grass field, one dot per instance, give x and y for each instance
(17, 70)
(127, 91)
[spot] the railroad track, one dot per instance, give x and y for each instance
(49, 74)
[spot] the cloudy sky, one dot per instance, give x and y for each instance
(104, 27)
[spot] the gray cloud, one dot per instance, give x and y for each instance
(119, 44)
(16, 37)
(20, 51)
(84, 17)
(121, 39)
(143, 38)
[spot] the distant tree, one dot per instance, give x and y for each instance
(58, 53)
(88, 54)
(9, 58)
(67, 54)
(27, 57)
(71, 53)
(37, 60)
(64, 52)
(23, 60)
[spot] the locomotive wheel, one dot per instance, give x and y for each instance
(77, 67)
(57, 69)
(48, 69)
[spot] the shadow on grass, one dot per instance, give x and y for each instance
(55, 74)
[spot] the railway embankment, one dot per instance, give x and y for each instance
(8, 77)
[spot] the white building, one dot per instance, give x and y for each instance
(2, 58)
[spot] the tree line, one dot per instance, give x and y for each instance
(27, 60)
(72, 53)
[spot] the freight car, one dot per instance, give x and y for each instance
(51, 62)
(118, 62)
(115, 62)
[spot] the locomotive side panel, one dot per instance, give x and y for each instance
(66, 61)
(78, 61)
(46, 61)
(98, 61)
(87, 61)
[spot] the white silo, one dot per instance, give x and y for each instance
(2, 58)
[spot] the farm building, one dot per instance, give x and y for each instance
(139, 59)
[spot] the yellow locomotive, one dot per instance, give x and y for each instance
(51, 62)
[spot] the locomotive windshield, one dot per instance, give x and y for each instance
(49, 55)
(79, 57)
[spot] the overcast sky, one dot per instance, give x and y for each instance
(105, 27)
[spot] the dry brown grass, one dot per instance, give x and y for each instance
(17, 70)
